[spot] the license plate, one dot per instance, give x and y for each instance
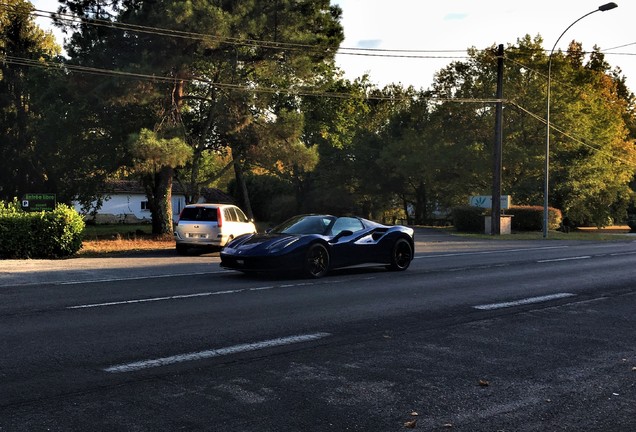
(240, 262)
(191, 235)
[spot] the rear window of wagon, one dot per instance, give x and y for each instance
(203, 214)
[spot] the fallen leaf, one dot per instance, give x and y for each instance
(410, 424)
(415, 413)
(448, 425)
(634, 368)
(484, 383)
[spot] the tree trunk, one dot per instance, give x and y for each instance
(240, 181)
(160, 202)
(421, 204)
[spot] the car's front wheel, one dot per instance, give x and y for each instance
(316, 261)
(401, 256)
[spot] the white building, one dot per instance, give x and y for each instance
(127, 203)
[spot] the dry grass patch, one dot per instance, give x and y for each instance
(121, 244)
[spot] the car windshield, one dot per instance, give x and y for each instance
(305, 225)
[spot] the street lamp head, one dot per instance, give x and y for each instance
(607, 6)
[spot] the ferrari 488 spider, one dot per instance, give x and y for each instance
(315, 244)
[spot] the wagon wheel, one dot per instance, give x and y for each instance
(401, 255)
(317, 261)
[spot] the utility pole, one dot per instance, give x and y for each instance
(495, 228)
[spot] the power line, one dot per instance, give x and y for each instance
(269, 44)
(374, 52)
(20, 61)
(571, 136)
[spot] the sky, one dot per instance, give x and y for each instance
(455, 25)
(446, 28)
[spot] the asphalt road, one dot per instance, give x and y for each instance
(475, 336)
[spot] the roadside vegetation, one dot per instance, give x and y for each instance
(280, 128)
(107, 239)
(110, 239)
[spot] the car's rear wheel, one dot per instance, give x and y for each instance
(182, 249)
(401, 256)
(317, 261)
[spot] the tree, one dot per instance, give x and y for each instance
(592, 157)
(154, 156)
(233, 66)
(22, 45)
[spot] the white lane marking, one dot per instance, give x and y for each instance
(565, 259)
(203, 294)
(180, 358)
(174, 297)
(622, 253)
(171, 275)
(525, 301)
(490, 252)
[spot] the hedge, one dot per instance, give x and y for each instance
(53, 234)
(524, 218)
(530, 218)
(468, 218)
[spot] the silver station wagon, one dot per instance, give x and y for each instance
(210, 226)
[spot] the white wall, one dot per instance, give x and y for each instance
(129, 206)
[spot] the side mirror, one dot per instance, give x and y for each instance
(343, 233)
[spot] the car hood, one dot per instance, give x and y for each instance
(267, 241)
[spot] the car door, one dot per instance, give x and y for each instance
(238, 223)
(345, 251)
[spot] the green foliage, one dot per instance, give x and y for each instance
(530, 218)
(153, 152)
(468, 218)
(25, 167)
(272, 197)
(54, 234)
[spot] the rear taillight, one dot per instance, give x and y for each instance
(219, 219)
(180, 214)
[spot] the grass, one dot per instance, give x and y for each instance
(108, 239)
(614, 233)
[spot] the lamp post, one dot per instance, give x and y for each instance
(602, 8)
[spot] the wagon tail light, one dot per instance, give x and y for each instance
(180, 214)
(219, 219)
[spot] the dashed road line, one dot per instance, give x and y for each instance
(565, 259)
(529, 300)
(218, 352)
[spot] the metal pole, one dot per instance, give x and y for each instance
(497, 152)
(602, 8)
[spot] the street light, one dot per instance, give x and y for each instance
(603, 8)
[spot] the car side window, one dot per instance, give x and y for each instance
(230, 214)
(346, 223)
(240, 215)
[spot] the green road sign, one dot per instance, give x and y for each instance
(38, 202)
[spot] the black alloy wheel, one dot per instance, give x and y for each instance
(317, 261)
(401, 256)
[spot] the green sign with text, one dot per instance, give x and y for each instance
(38, 202)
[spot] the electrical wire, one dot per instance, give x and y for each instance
(571, 136)
(20, 61)
(372, 52)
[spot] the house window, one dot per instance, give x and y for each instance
(144, 206)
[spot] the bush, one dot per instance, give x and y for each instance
(53, 234)
(468, 218)
(631, 222)
(530, 218)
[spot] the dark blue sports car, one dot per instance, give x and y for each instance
(315, 244)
